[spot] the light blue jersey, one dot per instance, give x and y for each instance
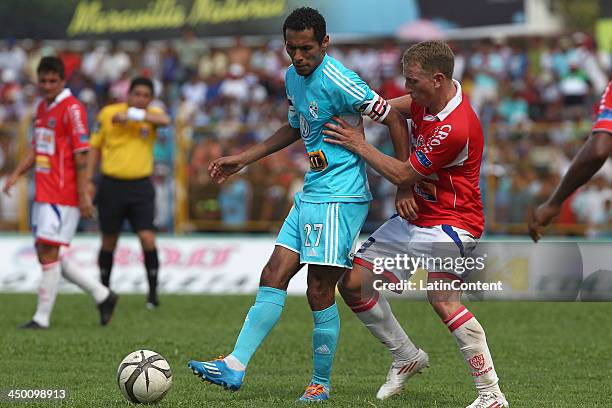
(336, 174)
(327, 216)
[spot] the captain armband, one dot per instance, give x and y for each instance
(376, 108)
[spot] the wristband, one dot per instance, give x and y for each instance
(136, 114)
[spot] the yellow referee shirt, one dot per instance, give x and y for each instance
(127, 148)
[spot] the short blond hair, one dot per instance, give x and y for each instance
(433, 56)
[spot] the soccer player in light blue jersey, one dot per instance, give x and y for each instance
(326, 217)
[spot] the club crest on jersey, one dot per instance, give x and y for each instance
(304, 127)
(51, 123)
(313, 108)
(144, 131)
(477, 362)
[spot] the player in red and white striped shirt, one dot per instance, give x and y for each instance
(59, 156)
(591, 157)
(443, 220)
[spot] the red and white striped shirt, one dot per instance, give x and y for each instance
(447, 151)
(60, 131)
(603, 121)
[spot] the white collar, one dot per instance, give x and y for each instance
(60, 97)
(452, 104)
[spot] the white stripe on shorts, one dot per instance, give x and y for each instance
(326, 232)
(336, 226)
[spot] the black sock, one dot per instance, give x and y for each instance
(151, 262)
(105, 263)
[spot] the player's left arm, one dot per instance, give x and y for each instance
(78, 136)
(85, 199)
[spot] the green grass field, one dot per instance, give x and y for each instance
(547, 354)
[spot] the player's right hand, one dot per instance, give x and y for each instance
(540, 218)
(223, 167)
(405, 204)
(10, 182)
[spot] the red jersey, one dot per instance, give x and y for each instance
(603, 121)
(60, 130)
(447, 151)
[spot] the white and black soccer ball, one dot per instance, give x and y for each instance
(144, 376)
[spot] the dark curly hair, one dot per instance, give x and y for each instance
(304, 18)
(142, 81)
(51, 64)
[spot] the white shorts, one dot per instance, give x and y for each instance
(54, 224)
(398, 249)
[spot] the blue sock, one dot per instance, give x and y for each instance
(260, 320)
(324, 340)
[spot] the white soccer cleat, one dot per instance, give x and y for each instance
(399, 373)
(490, 400)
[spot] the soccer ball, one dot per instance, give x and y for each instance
(144, 376)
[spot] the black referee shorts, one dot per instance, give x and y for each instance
(118, 200)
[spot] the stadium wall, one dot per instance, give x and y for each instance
(231, 265)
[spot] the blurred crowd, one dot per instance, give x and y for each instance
(535, 97)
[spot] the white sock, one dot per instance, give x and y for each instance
(233, 363)
(47, 291)
(376, 315)
(470, 337)
(85, 281)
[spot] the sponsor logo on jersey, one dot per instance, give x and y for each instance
(427, 191)
(318, 161)
(440, 133)
(45, 141)
(605, 114)
(477, 362)
(43, 165)
(77, 119)
(423, 159)
(313, 108)
(304, 127)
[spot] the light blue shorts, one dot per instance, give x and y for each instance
(323, 233)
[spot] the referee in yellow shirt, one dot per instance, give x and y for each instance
(123, 140)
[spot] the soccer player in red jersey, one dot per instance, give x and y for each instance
(443, 219)
(587, 162)
(59, 155)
